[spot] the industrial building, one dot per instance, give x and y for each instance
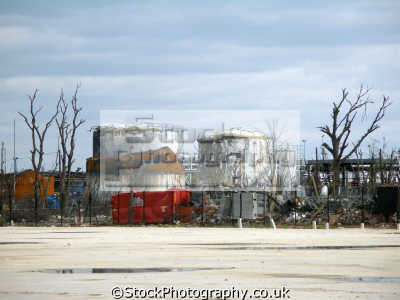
(229, 173)
(24, 185)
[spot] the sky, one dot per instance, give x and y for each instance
(195, 55)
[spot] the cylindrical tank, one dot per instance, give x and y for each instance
(140, 137)
(235, 157)
(141, 156)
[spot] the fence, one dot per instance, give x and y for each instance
(209, 208)
(87, 210)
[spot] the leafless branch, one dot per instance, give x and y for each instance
(67, 133)
(38, 137)
(344, 113)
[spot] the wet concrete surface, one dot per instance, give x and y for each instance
(222, 244)
(125, 270)
(370, 279)
(313, 264)
(19, 243)
(344, 247)
(78, 232)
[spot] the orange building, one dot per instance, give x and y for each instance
(25, 185)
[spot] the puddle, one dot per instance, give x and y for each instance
(344, 247)
(51, 238)
(75, 232)
(62, 238)
(19, 243)
(369, 279)
(223, 244)
(58, 232)
(125, 270)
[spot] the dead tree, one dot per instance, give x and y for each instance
(67, 132)
(344, 112)
(38, 136)
(272, 174)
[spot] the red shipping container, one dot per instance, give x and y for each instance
(120, 208)
(150, 207)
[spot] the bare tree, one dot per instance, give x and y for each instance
(344, 113)
(274, 172)
(67, 133)
(274, 134)
(63, 134)
(38, 135)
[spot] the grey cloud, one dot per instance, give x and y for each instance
(196, 55)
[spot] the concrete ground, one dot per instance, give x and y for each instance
(247, 258)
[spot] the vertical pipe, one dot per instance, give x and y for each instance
(362, 203)
(241, 211)
(239, 223)
(14, 181)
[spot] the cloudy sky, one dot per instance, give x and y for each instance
(195, 55)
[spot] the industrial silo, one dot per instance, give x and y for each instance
(142, 156)
(233, 158)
